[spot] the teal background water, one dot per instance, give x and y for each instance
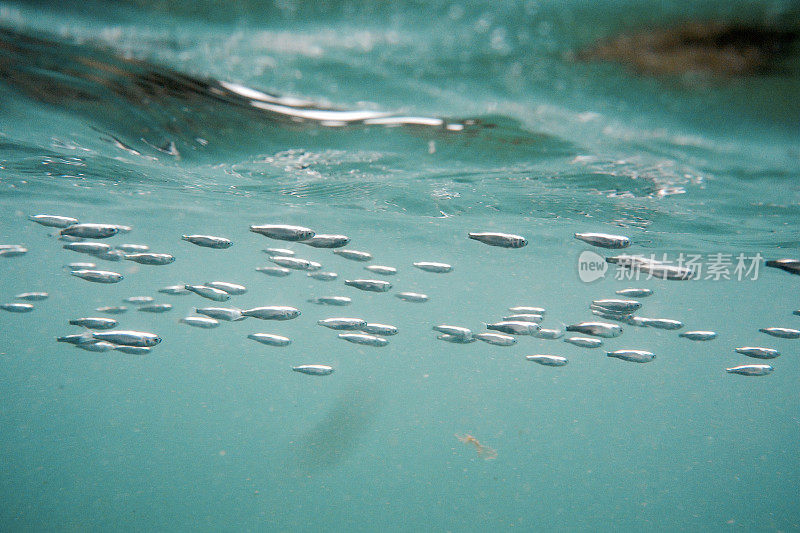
(213, 431)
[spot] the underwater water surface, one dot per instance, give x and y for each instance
(404, 126)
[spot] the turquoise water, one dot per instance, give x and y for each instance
(112, 116)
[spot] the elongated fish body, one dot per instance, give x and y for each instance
(604, 240)
(327, 241)
(616, 305)
(314, 370)
(295, 263)
(280, 251)
(132, 248)
(514, 327)
(652, 267)
(455, 339)
(14, 251)
(633, 356)
(343, 323)
(414, 297)
(275, 272)
(783, 333)
(209, 292)
(503, 240)
(323, 276)
(133, 350)
(662, 323)
(596, 329)
(53, 221)
(497, 339)
(112, 309)
(370, 285)
(32, 296)
(80, 266)
(609, 315)
(792, 266)
(147, 258)
(17, 307)
(524, 309)
(176, 290)
(110, 255)
(437, 268)
(203, 322)
(128, 337)
(382, 270)
(231, 288)
(584, 342)
(550, 334)
(283, 232)
(273, 312)
(91, 231)
(100, 346)
(758, 352)
(80, 338)
(524, 317)
(698, 335)
(331, 300)
(637, 321)
(98, 276)
(94, 323)
(635, 293)
(89, 247)
(155, 308)
(270, 339)
(354, 255)
(228, 314)
(750, 370)
(138, 300)
(547, 360)
(384, 330)
(363, 338)
(208, 241)
(455, 331)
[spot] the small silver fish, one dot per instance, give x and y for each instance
(80, 266)
(208, 241)
(362, 338)
(498, 339)
(233, 289)
(175, 290)
(354, 255)
(455, 331)
(94, 323)
(294, 263)
(758, 352)
(527, 310)
(615, 305)
(604, 240)
(275, 272)
(698, 335)
(17, 307)
(53, 221)
(101, 346)
(155, 308)
(147, 258)
(91, 231)
(584, 342)
(323, 276)
(384, 330)
(791, 266)
(32, 296)
(138, 300)
(597, 329)
(455, 339)
(98, 276)
(633, 356)
(90, 247)
(515, 327)
(783, 333)
(314, 370)
(503, 240)
(273, 312)
(132, 248)
(750, 370)
(283, 232)
(414, 297)
(662, 323)
(110, 255)
(637, 321)
(280, 251)
(383, 270)
(327, 241)
(13, 251)
(438, 268)
(331, 300)
(228, 314)
(133, 350)
(549, 334)
(270, 339)
(209, 292)
(112, 309)
(547, 360)
(524, 317)
(343, 323)
(371, 285)
(81, 338)
(635, 293)
(200, 322)
(128, 337)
